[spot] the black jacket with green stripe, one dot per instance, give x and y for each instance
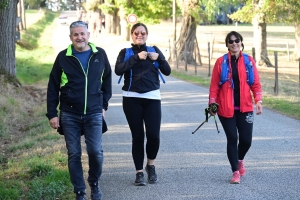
(75, 90)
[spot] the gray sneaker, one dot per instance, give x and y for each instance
(152, 177)
(139, 179)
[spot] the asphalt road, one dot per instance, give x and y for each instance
(195, 166)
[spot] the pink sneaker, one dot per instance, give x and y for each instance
(235, 178)
(241, 168)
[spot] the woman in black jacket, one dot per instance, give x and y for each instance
(141, 66)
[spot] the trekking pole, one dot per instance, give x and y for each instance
(216, 124)
(214, 108)
(200, 125)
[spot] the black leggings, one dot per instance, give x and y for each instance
(139, 111)
(238, 130)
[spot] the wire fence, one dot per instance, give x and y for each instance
(281, 78)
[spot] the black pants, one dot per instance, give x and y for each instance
(238, 130)
(140, 111)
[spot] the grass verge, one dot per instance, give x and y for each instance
(34, 161)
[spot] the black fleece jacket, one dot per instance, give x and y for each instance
(145, 75)
(77, 91)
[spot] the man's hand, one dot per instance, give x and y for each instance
(103, 113)
(54, 122)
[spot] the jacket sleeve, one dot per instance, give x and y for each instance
(256, 87)
(215, 80)
(53, 89)
(106, 83)
(121, 67)
(164, 66)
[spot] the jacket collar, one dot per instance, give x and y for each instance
(134, 46)
(92, 45)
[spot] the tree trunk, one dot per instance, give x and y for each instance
(186, 42)
(260, 41)
(125, 29)
(297, 42)
(23, 15)
(7, 40)
(260, 35)
(109, 20)
(117, 23)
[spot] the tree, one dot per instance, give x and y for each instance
(257, 12)
(21, 13)
(34, 4)
(288, 11)
(7, 39)
(193, 13)
(187, 37)
(116, 11)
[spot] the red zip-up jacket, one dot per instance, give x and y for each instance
(224, 94)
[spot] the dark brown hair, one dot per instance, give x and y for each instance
(237, 35)
(137, 25)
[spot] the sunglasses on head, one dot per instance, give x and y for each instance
(78, 23)
(136, 33)
(232, 41)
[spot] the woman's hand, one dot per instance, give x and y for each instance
(143, 55)
(153, 55)
(258, 107)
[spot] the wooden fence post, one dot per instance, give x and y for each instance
(288, 50)
(253, 53)
(195, 51)
(276, 74)
(208, 59)
(185, 55)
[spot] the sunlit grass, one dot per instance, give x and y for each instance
(34, 53)
(34, 166)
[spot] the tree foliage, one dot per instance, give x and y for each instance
(270, 11)
(287, 11)
(150, 11)
(34, 4)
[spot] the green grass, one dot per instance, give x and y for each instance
(34, 165)
(35, 55)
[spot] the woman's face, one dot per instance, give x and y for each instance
(139, 35)
(234, 44)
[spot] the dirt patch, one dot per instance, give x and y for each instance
(16, 106)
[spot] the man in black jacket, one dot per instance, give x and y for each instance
(80, 83)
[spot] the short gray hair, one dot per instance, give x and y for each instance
(79, 24)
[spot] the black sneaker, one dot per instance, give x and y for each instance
(139, 179)
(152, 177)
(96, 193)
(80, 195)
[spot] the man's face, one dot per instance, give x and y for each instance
(80, 37)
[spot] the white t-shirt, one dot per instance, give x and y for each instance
(155, 94)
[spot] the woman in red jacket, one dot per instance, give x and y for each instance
(235, 101)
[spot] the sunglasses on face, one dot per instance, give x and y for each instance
(77, 23)
(136, 33)
(232, 41)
